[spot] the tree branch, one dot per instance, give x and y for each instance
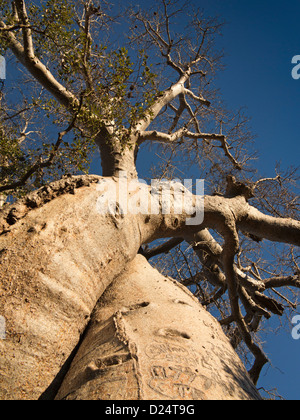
(27, 37)
(162, 100)
(178, 112)
(209, 253)
(230, 249)
(226, 215)
(162, 249)
(25, 54)
(90, 10)
(292, 281)
(171, 138)
(164, 46)
(197, 98)
(272, 228)
(184, 132)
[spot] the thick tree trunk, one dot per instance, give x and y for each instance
(149, 338)
(56, 261)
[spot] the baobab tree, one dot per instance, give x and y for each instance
(86, 315)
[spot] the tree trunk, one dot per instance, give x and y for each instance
(56, 261)
(149, 338)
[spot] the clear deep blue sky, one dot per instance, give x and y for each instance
(259, 40)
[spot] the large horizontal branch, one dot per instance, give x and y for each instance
(274, 229)
(225, 215)
(280, 281)
(217, 211)
(171, 138)
(249, 219)
(161, 137)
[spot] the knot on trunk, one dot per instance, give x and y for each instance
(10, 214)
(235, 188)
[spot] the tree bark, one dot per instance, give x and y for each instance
(56, 261)
(149, 338)
(59, 254)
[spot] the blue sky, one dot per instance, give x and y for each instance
(260, 39)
